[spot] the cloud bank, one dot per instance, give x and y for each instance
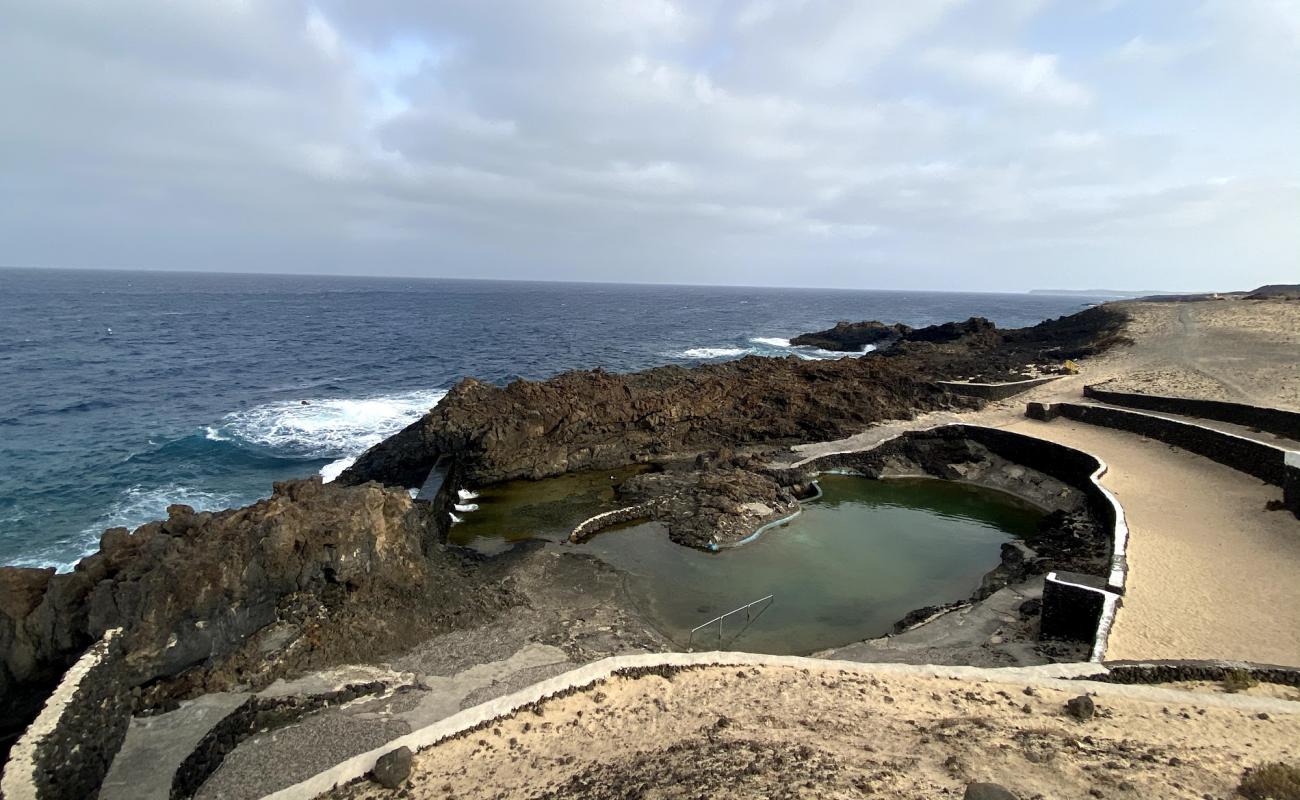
(1004, 144)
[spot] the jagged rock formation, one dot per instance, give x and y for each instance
(312, 575)
(710, 507)
(598, 420)
(851, 337)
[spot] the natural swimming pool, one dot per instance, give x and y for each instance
(854, 562)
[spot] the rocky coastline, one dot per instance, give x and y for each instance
(319, 574)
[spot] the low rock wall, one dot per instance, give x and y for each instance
(67, 750)
(1274, 420)
(1264, 461)
(1075, 608)
(994, 391)
(1170, 671)
(593, 525)
(1291, 482)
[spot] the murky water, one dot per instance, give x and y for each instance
(852, 564)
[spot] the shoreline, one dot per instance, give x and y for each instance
(569, 602)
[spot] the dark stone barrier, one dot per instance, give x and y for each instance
(1291, 482)
(994, 391)
(1074, 607)
(66, 752)
(1264, 461)
(1169, 671)
(1274, 420)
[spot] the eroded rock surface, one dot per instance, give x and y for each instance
(315, 574)
(711, 507)
(851, 337)
(598, 420)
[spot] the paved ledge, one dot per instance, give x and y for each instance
(1066, 677)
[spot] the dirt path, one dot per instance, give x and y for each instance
(786, 732)
(1212, 574)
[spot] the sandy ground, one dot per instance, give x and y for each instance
(783, 732)
(1212, 573)
(1240, 350)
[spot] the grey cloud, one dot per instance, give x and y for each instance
(883, 145)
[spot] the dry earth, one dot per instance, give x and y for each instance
(784, 732)
(1240, 350)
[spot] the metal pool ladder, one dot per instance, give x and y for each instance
(750, 616)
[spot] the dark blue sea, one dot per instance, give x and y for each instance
(122, 392)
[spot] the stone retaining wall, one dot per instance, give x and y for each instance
(67, 750)
(1265, 461)
(1170, 671)
(1274, 420)
(994, 391)
(592, 525)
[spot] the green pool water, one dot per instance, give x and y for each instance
(847, 568)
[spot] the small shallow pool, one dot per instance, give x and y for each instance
(852, 564)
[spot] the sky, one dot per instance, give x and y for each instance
(926, 144)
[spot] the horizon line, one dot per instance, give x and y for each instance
(235, 272)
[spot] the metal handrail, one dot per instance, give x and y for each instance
(718, 619)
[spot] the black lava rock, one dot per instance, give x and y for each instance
(987, 791)
(1081, 708)
(393, 768)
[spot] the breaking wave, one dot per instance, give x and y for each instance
(327, 428)
(706, 353)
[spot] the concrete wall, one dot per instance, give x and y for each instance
(66, 751)
(1291, 482)
(994, 391)
(1077, 608)
(1274, 420)
(1264, 461)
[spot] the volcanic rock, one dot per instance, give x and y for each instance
(987, 791)
(711, 507)
(349, 571)
(1081, 708)
(393, 768)
(597, 420)
(851, 337)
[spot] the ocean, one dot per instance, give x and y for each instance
(123, 392)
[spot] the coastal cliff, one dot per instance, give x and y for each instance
(598, 420)
(312, 575)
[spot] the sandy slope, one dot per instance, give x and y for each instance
(784, 732)
(1241, 350)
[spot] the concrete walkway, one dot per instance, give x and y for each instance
(1212, 574)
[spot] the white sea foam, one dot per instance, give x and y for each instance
(335, 468)
(131, 509)
(327, 428)
(465, 508)
(454, 518)
(771, 341)
(466, 494)
(214, 435)
(712, 352)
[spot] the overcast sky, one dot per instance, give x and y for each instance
(926, 144)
